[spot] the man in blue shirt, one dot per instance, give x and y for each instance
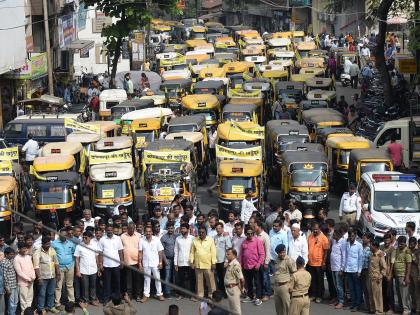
(277, 236)
(65, 256)
(353, 267)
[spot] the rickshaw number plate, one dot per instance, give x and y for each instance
(306, 183)
(317, 95)
(267, 67)
(204, 90)
(311, 65)
(290, 87)
(108, 193)
(108, 144)
(110, 174)
(143, 125)
(55, 151)
(166, 191)
(237, 189)
(208, 75)
(254, 58)
(315, 102)
(302, 149)
(318, 82)
(52, 178)
(237, 170)
(202, 104)
(293, 132)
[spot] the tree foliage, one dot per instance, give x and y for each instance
(130, 15)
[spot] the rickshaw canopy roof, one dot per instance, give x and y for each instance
(292, 157)
(276, 42)
(310, 104)
(113, 95)
(157, 99)
(252, 86)
(65, 148)
(211, 73)
(103, 172)
(311, 147)
(289, 85)
(214, 84)
(146, 124)
(306, 46)
(321, 95)
(175, 84)
(83, 137)
(200, 101)
(198, 120)
(300, 77)
(291, 130)
(227, 132)
(136, 104)
(325, 132)
(54, 163)
(166, 145)
(191, 43)
(154, 112)
(369, 154)
(7, 185)
(242, 108)
(72, 178)
(321, 82)
(105, 125)
(114, 143)
(176, 74)
(238, 66)
(238, 168)
(314, 71)
(348, 143)
(279, 123)
(194, 137)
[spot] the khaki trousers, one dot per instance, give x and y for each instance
(375, 296)
(200, 274)
(282, 299)
(299, 305)
(26, 295)
(234, 298)
(67, 276)
(349, 218)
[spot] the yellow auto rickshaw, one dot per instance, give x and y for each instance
(57, 188)
(205, 104)
(325, 133)
(66, 148)
(316, 83)
(234, 177)
(367, 160)
(108, 128)
(8, 202)
(329, 96)
(312, 63)
(305, 179)
(145, 130)
(254, 97)
(304, 48)
(245, 132)
(338, 152)
(212, 73)
(318, 118)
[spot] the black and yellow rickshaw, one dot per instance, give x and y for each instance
(290, 89)
(203, 104)
(240, 112)
(318, 118)
(175, 90)
(128, 106)
(280, 133)
(368, 160)
(193, 123)
(309, 104)
(9, 201)
(325, 133)
(307, 146)
(264, 86)
(316, 83)
(305, 179)
(338, 151)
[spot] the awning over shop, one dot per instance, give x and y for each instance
(81, 44)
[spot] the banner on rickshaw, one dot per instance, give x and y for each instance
(119, 156)
(242, 93)
(254, 153)
(156, 157)
(256, 132)
(74, 125)
(9, 154)
(6, 167)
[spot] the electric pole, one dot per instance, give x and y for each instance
(47, 43)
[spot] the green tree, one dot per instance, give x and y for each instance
(131, 15)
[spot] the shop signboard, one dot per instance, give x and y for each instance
(33, 69)
(67, 25)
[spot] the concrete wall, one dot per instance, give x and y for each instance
(96, 62)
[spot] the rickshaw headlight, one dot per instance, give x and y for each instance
(296, 197)
(321, 197)
(75, 187)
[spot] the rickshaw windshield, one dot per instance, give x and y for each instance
(111, 190)
(229, 144)
(166, 188)
(181, 128)
(173, 94)
(205, 91)
(304, 53)
(374, 167)
(145, 136)
(397, 201)
(118, 112)
(344, 157)
(209, 114)
(305, 178)
(238, 116)
(236, 185)
(285, 140)
(53, 194)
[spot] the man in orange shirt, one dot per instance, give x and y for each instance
(133, 280)
(318, 246)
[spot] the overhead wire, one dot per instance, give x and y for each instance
(173, 286)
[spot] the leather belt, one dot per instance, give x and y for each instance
(231, 285)
(350, 212)
(282, 283)
(299, 296)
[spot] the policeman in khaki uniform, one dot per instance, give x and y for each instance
(299, 286)
(234, 281)
(377, 271)
(285, 267)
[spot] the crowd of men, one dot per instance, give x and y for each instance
(248, 259)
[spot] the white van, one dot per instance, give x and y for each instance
(389, 200)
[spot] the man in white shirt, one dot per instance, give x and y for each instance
(31, 148)
(238, 237)
(87, 267)
(87, 219)
(365, 52)
(212, 142)
(230, 225)
(182, 250)
(350, 206)
(247, 206)
(151, 261)
(298, 245)
(293, 213)
(110, 257)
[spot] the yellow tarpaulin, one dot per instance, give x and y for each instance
(254, 153)
(9, 154)
(72, 124)
(120, 156)
(257, 132)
